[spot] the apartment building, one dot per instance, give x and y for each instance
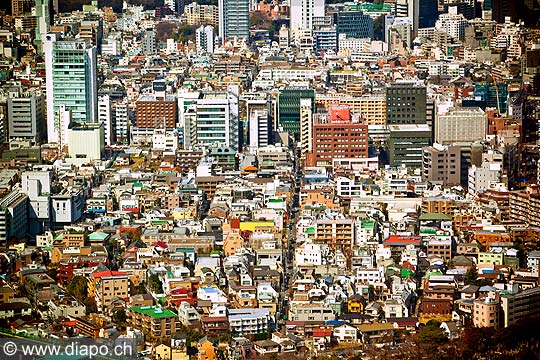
(520, 305)
(106, 286)
(155, 321)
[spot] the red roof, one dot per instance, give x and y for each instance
(322, 332)
(161, 244)
(235, 223)
(403, 239)
(101, 274)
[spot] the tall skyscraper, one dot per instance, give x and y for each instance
(233, 19)
(71, 83)
(423, 13)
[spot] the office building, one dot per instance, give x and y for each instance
(303, 12)
(21, 7)
(13, 216)
(149, 43)
(405, 103)
(260, 123)
(452, 24)
(85, 143)
(204, 36)
(37, 185)
(44, 15)
(306, 126)
(325, 39)
(233, 19)
(442, 164)
(406, 143)
(289, 108)
(212, 119)
(26, 117)
(156, 111)
(121, 121)
(461, 125)
(493, 95)
(341, 138)
(71, 75)
(354, 24)
(423, 13)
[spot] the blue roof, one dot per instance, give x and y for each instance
(334, 322)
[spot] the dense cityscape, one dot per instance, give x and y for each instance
(273, 179)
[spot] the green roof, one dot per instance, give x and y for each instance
(275, 200)
(310, 230)
(137, 184)
(368, 224)
(185, 250)
(428, 231)
(159, 222)
(434, 216)
(98, 235)
(157, 312)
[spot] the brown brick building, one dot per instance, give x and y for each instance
(155, 112)
(341, 137)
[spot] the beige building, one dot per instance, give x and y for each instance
(461, 125)
(154, 321)
(201, 14)
(441, 164)
(372, 108)
(486, 312)
(107, 286)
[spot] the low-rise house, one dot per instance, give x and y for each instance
(264, 347)
(187, 315)
(345, 334)
(377, 334)
(14, 310)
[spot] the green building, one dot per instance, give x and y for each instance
(289, 108)
(494, 96)
(406, 143)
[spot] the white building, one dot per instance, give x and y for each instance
(105, 117)
(483, 177)
(302, 13)
(37, 185)
(249, 321)
(205, 37)
(163, 140)
(452, 24)
(214, 120)
(85, 144)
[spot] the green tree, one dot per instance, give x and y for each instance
(432, 334)
(91, 305)
(155, 284)
(78, 288)
(471, 276)
(119, 316)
